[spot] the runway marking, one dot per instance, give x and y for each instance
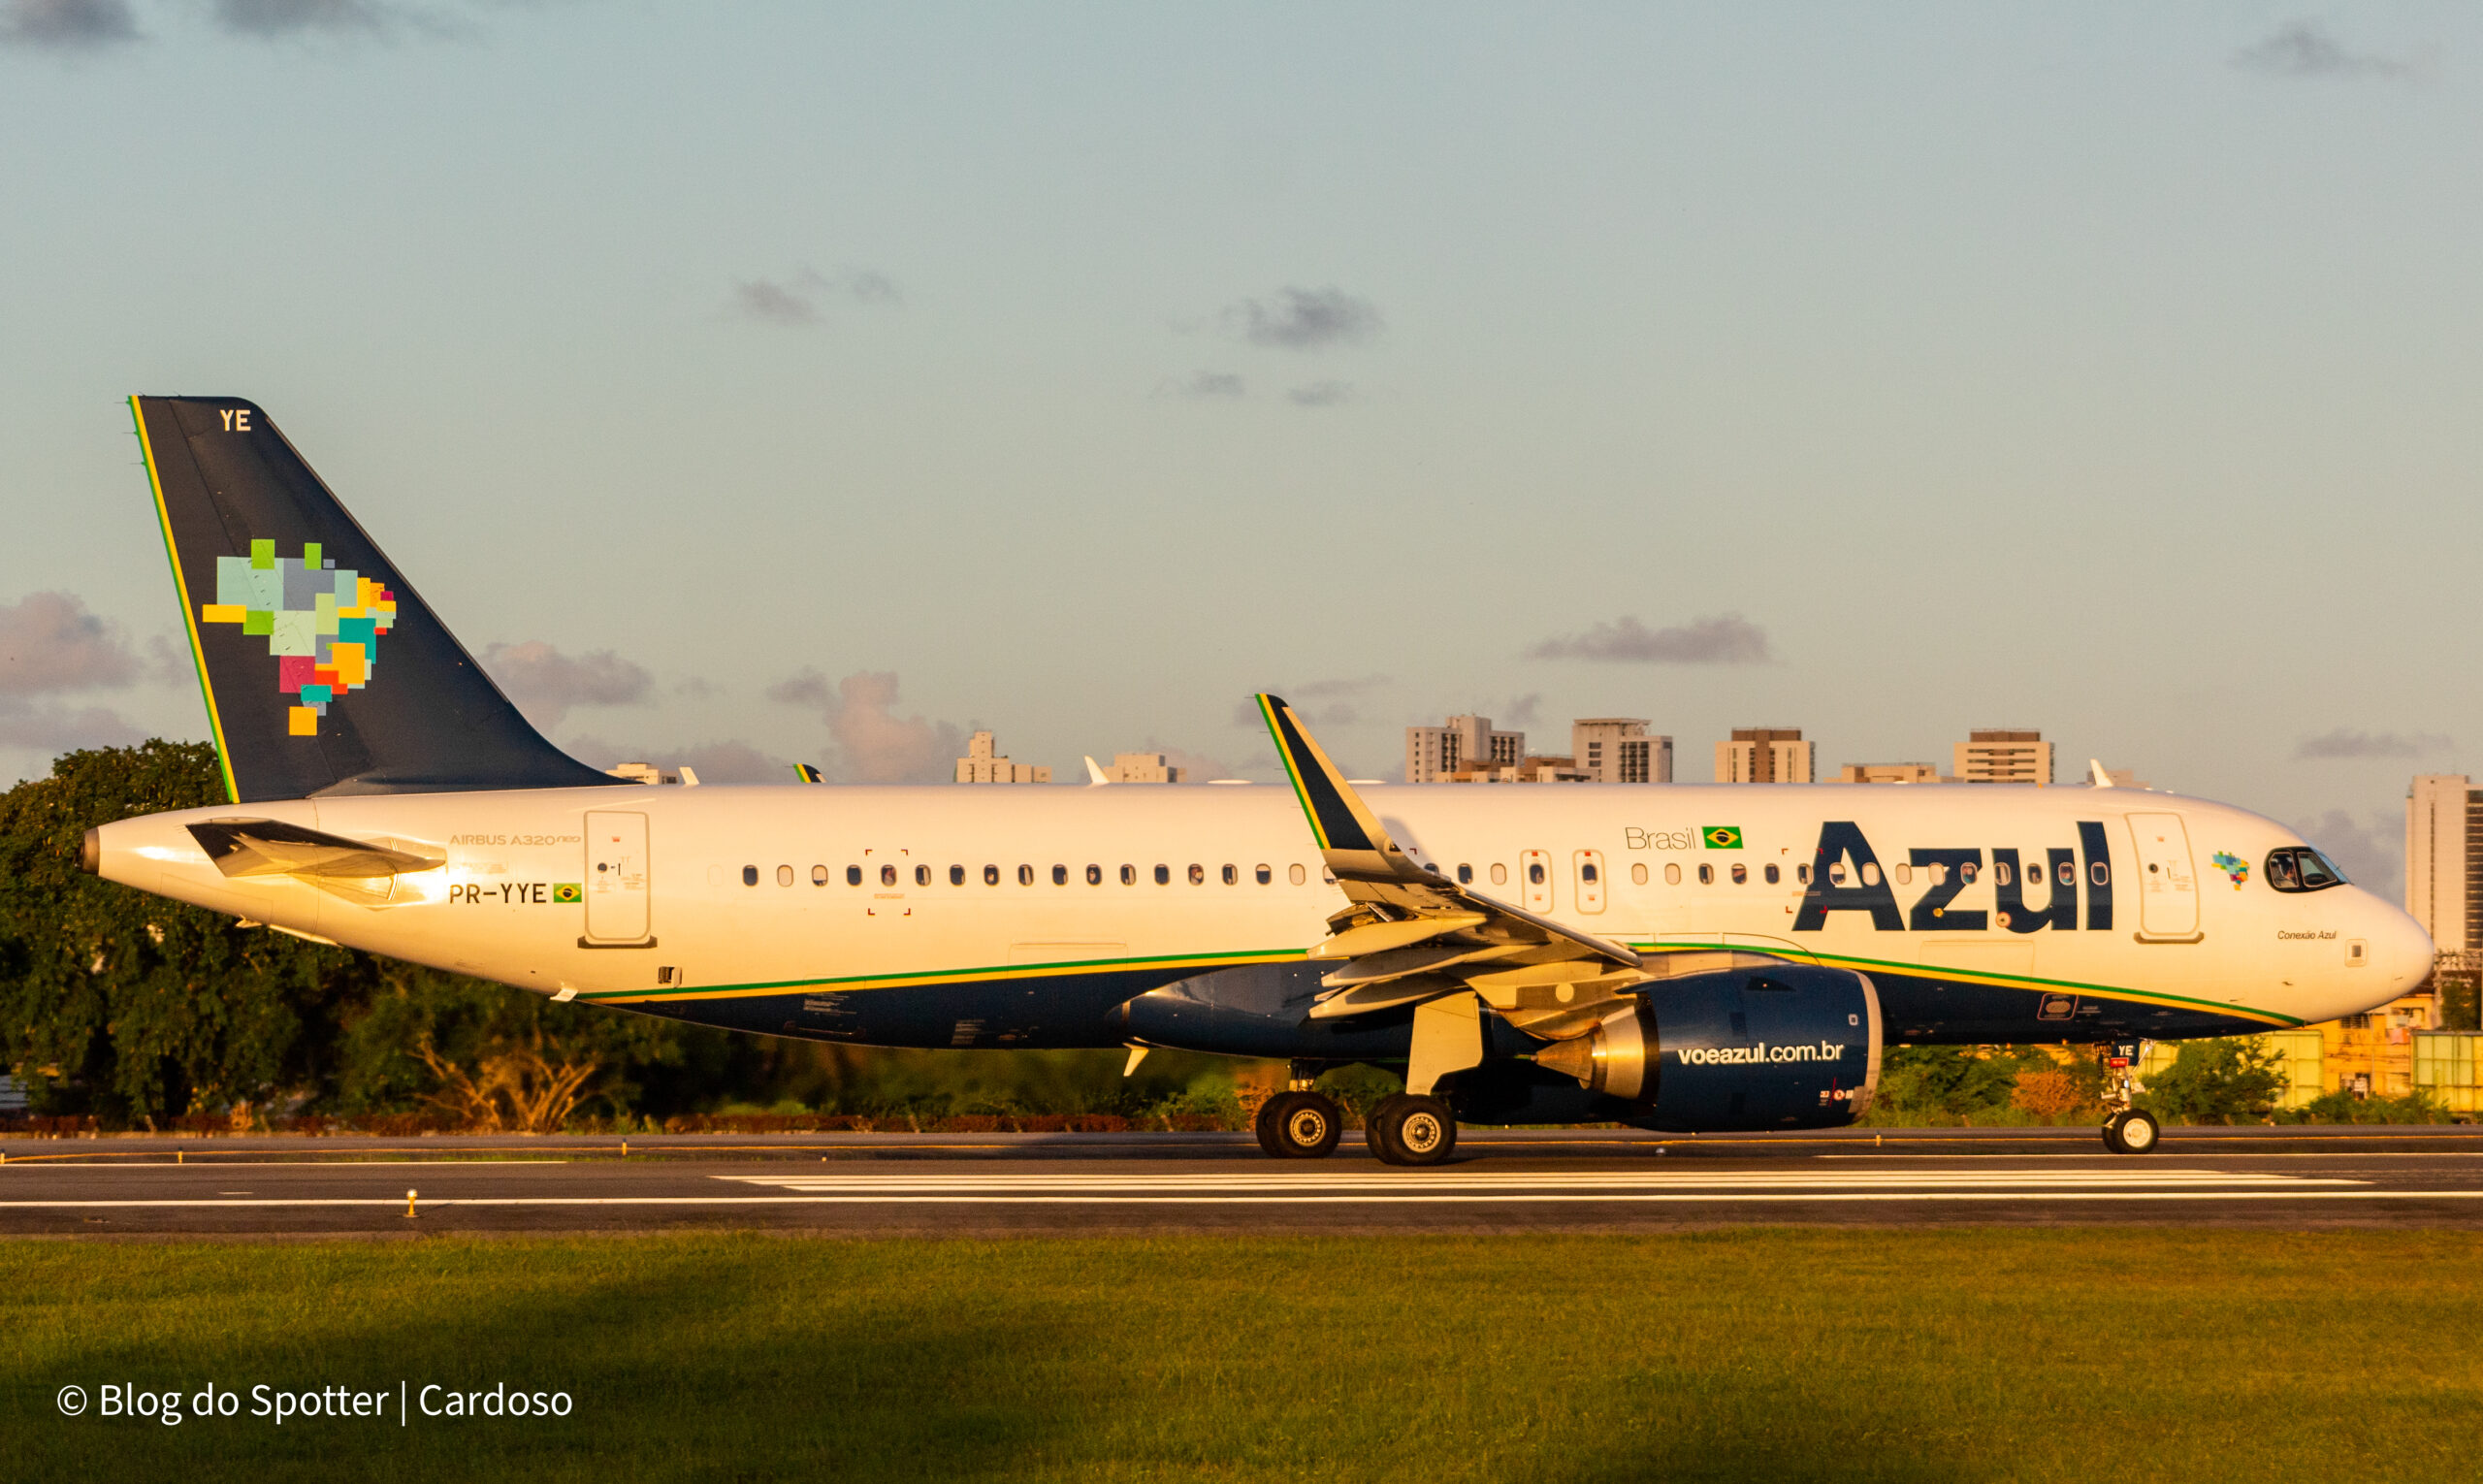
(1390, 1183)
(1529, 1198)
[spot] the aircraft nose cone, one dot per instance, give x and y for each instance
(2400, 952)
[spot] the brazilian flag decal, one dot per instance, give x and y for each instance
(1722, 837)
(568, 891)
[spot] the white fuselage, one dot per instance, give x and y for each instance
(673, 897)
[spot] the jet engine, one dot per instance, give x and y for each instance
(1785, 1046)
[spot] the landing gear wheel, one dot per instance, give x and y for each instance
(1299, 1125)
(2131, 1132)
(1409, 1130)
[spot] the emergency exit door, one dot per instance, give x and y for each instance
(616, 877)
(2168, 888)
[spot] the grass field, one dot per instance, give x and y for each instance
(1930, 1354)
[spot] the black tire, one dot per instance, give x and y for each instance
(2137, 1133)
(2113, 1134)
(1409, 1130)
(1299, 1125)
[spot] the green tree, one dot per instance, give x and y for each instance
(2225, 1081)
(127, 1005)
(1942, 1083)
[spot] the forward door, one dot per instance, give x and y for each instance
(2168, 888)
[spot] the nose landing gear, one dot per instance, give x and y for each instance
(2126, 1130)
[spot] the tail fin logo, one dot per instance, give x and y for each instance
(322, 624)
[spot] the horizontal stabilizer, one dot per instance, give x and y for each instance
(274, 848)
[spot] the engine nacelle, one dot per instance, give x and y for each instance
(1790, 1047)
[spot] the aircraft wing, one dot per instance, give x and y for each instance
(1412, 935)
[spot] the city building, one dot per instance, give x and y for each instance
(647, 773)
(1141, 768)
(1527, 769)
(1616, 748)
(1764, 755)
(1434, 752)
(982, 766)
(2004, 755)
(1888, 773)
(2445, 859)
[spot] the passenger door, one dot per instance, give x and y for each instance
(2168, 888)
(616, 877)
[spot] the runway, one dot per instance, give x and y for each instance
(1536, 1180)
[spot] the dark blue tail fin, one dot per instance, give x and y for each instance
(323, 671)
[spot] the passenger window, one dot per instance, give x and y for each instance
(818, 876)
(1094, 876)
(1588, 873)
(1969, 871)
(1198, 875)
(956, 876)
(1500, 873)
(1296, 874)
(2100, 874)
(887, 876)
(1060, 876)
(1870, 873)
(1264, 873)
(1836, 873)
(1637, 873)
(1129, 876)
(1802, 873)
(1904, 874)
(1706, 876)
(1672, 873)
(2068, 874)
(1774, 875)
(1231, 875)
(1465, 874)
(853, 876)
(783, 876)
(1938, 873)
(922, 876)
(1163, 875)
(749, 876)
(1534, 873)
(2001, 872)
(1741, 874)
(1025, 876)
(992, 876)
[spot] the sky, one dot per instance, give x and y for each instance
(748, 384)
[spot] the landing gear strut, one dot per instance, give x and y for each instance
(1409, 1130)
(2126, 1130)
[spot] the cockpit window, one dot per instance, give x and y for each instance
(2299, 868)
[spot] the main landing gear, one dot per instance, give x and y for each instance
(1299, 1125)
(2127, 1130)
(1409, 1130)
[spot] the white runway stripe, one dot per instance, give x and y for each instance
(1413, 1198)
(1383, 1185)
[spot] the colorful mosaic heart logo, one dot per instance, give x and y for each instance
(2232, 865)
(322, 622)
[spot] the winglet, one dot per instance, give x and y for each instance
(806, 773)
(1356, 845)
(2096, 775)
(1095, 778)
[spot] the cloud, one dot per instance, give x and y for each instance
(272, 18)
(67, 23)
(2303, 49)
(873, 743)
(1725, 639)
(1523, 711)
(545, 683)
(2344, 743)
(793, 301)
(50, 644)
(1321, 394)
(60, 729)
(2371, 855)
(1305, 319)
(1208, 384)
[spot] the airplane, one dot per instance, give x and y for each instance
(1675, 957)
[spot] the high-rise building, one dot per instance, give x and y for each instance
(1764, 755)
(1141, 767)
(1888, 773)
(1433, 753)
(981, 765)
(1616, 748)
(2445, 859)
(2004, 755)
